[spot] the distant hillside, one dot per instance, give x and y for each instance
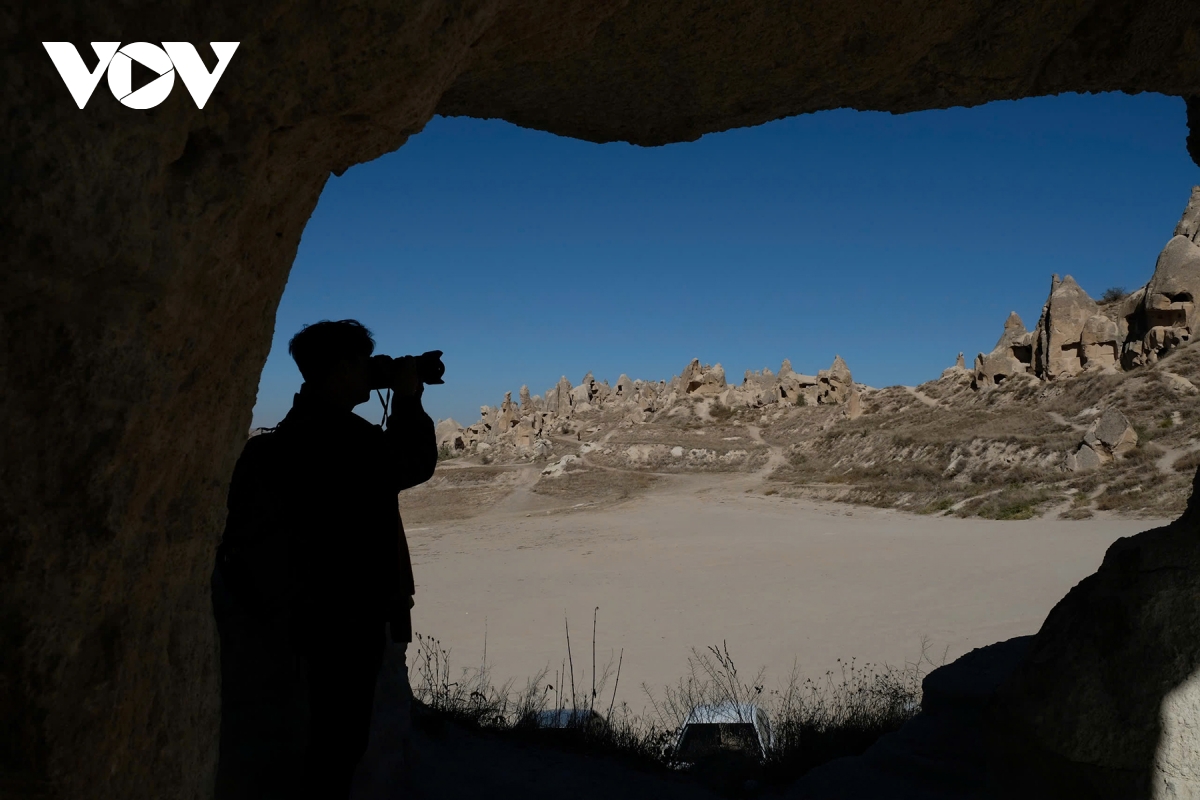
(1094, 410)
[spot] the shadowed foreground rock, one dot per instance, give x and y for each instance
(146, 252)
(1107, 703)
(941, 754)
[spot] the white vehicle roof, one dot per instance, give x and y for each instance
(566, 717)
(731, 714)
(726, 713)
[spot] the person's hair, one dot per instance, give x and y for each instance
(319, 347)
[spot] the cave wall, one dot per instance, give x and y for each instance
(146, 252)
(1106, 704)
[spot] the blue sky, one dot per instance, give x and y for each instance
(896, 241)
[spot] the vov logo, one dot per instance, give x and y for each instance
(118, 62)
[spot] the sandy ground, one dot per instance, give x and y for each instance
(697, 561)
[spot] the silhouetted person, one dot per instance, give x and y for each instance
(312, 568)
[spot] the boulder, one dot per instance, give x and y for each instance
(1107, 702)
(1109, 436)
(556, 469)
(1084, 459)
(1112, 434)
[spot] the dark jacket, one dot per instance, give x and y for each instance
(313, 541)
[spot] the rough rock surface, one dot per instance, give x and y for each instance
(706, 381)
(136, 313)
(1110, 436)
(1060, 331)
(1171, 294)
(1107, 703)
(1112, 433)
(1012, 354)
(449, 435)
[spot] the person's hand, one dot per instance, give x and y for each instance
(406, 380)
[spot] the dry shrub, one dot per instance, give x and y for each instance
(1187, 463)
(721, 413)
(1008, 504)
(813, 721)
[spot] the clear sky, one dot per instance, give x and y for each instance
(896, 241)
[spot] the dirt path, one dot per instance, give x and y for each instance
(521, 498)
(924, 398)
(1166, 462)
(1061, 420)
(775, 456)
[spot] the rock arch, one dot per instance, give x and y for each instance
(146, 253)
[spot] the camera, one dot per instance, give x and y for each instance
(383, 369)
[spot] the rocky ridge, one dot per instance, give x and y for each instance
(1075, 334)
(524, 428)
(1095, 410)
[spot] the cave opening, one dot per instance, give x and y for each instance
(135, 343)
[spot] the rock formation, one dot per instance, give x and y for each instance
(450, 436)
(1075, 334)
(1012, 355)
(525, 428)
(704, 380)
(1110, 436)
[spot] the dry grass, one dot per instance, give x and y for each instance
(1017, 502)
(813, 721)
(596, 485)
(457, 493)
(1187, 463)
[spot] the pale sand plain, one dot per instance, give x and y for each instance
(698, 561)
